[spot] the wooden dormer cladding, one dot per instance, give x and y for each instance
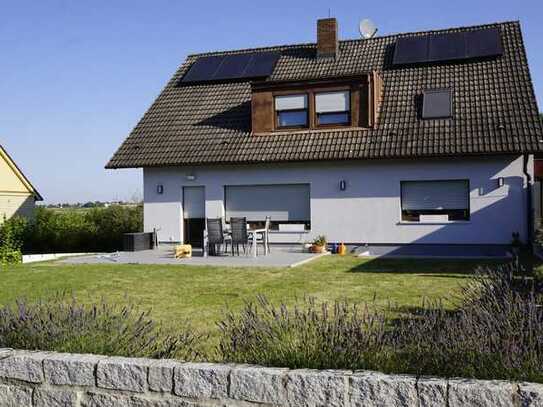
(262, 112)
(377, 96)
(365, 100)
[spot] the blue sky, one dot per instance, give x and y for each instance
(76, 76)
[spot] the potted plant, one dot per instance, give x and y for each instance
(319, 244)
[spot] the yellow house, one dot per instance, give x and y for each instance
(17, 195)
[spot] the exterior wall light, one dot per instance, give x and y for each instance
(342, 185)
(501, 182)
(160, 189)
(191, 177)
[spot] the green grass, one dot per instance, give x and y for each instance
(201, 294)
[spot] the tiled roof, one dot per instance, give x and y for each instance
(495, 111)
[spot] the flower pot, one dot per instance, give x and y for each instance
(318, 249)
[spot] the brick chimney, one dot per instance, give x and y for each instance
(327, 38)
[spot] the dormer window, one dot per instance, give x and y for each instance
(291, 111)
(333, 108)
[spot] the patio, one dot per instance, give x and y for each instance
(279, 256)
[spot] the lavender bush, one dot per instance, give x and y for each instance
(63, 324)
(496, 332)
(307, 336)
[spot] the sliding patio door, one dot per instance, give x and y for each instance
(194, 215)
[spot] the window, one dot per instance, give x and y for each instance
(435, 200)
(333, 108)
(291, 111)
(436, 104)
(284, 204)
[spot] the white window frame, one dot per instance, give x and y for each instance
(303, 108)
(346, 110)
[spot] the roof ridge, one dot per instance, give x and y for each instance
(439, 30)
(350, 40)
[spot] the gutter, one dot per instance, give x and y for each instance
(529, 220)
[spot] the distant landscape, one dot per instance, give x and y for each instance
(90, 205)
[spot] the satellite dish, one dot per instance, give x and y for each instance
(367, 28)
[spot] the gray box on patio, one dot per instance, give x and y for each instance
(133, 242)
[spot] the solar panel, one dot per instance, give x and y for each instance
(446, 47)
(224, 67)
(203, 69)
(484, 43)
(411, 50)
(262, 64)
(233, 66)
(436, 104)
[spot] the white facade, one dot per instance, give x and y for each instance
(368, 210)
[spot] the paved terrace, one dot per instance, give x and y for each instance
(279, 257)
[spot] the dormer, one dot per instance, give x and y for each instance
(339, 102)
(347, 102)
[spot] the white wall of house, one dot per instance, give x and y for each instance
(368, 211)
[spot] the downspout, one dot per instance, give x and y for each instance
(529, 220)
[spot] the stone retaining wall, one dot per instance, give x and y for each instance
(56, 379)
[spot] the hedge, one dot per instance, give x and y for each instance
(71, 231)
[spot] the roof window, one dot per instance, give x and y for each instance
(436, 104)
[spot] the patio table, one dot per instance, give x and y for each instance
(253, 234)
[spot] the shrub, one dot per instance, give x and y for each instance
(496, 332)
(65, 325)
(110, 223)
(11, 241)
(538, 276)
(308, 336)
(96, 230)
(10, 256)
(55, 232)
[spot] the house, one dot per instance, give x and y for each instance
(17, 195)
(423, 138)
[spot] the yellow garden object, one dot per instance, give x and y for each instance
(183, 251)
(342, 250)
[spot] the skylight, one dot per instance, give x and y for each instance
(436, 104)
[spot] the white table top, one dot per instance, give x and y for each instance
(228, 230)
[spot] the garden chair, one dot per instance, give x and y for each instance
(215, 235)
(261, 238)
(239, 234)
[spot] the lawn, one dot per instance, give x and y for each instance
(201, 294)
